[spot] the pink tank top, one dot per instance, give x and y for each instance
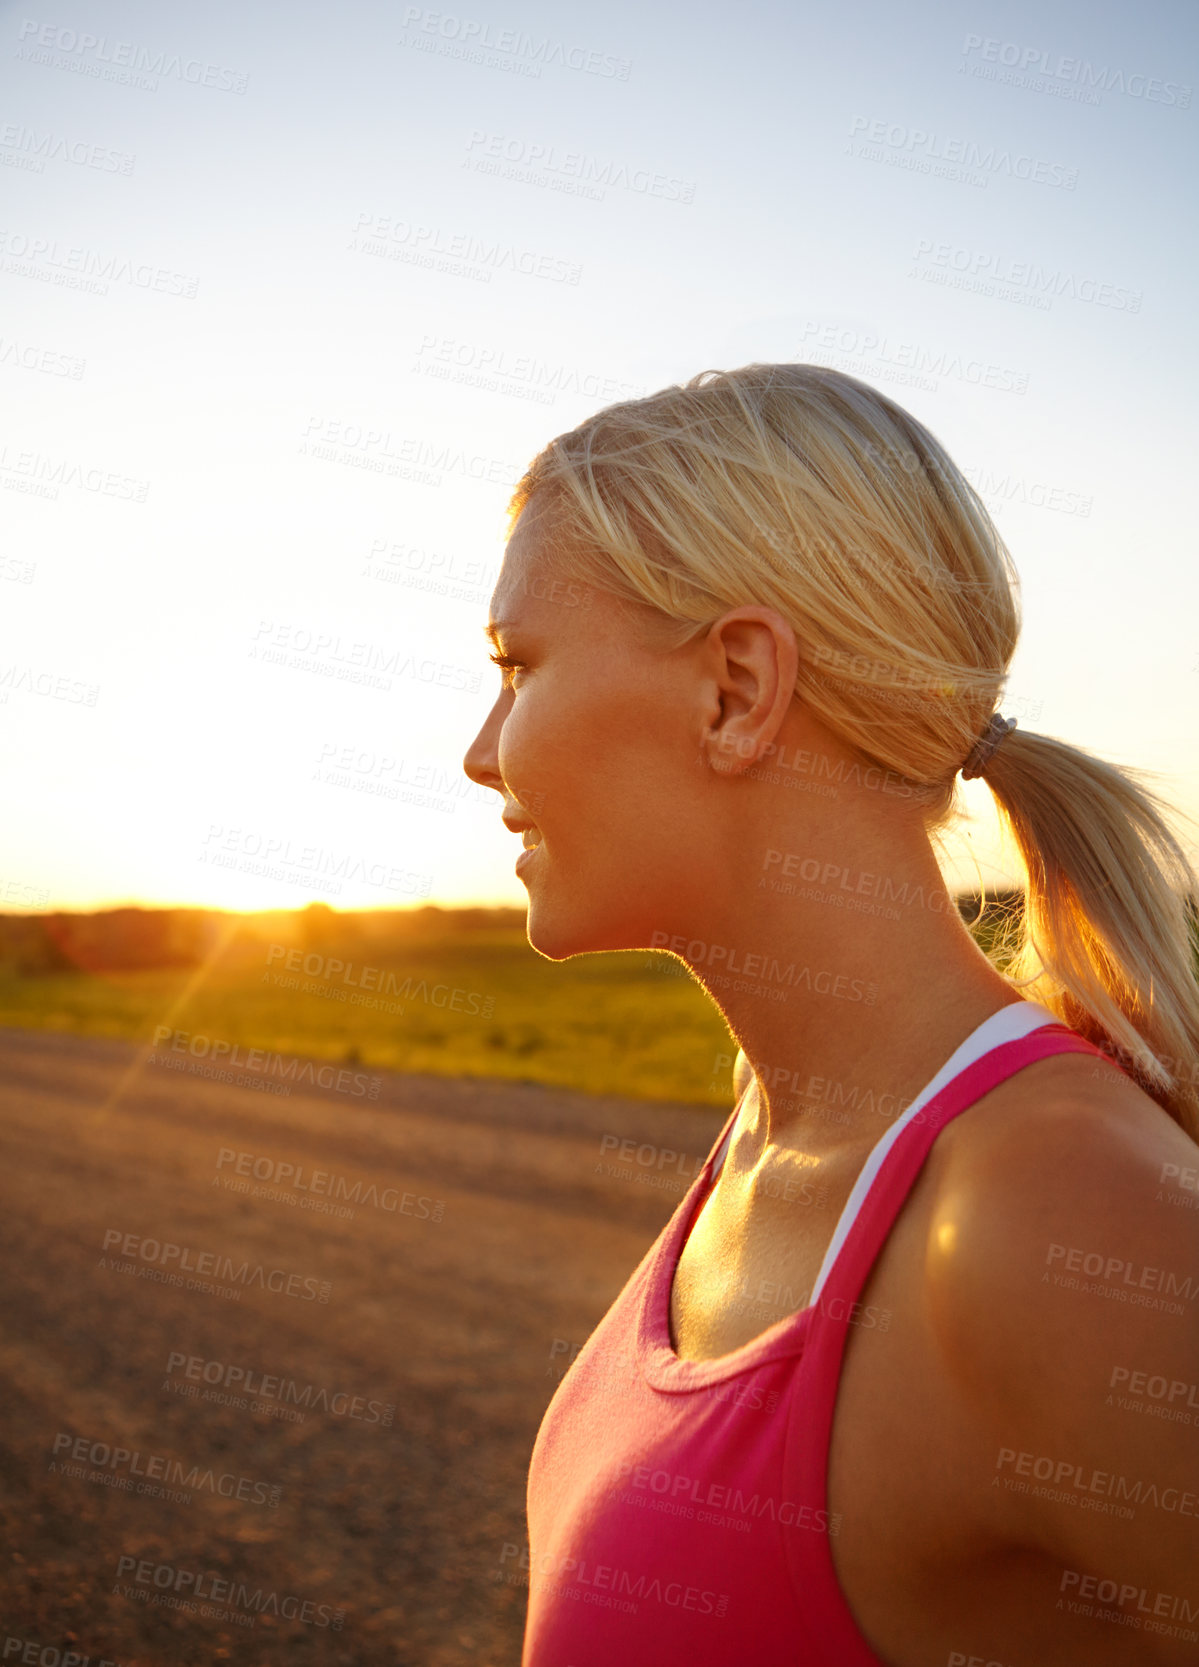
(678, 1509)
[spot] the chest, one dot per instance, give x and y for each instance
(906, 1454)
(753, 1253)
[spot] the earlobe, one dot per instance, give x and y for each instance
(756, 663)
(726, 752)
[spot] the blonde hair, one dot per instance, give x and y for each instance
(805, 490)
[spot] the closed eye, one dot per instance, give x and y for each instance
(507, 666)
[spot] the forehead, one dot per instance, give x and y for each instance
(524, 589)
(539, 593)
(521, 553)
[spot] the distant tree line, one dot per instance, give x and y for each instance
(134, 939)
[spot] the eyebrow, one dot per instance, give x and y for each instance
(494, 629)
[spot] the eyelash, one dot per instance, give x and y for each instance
(507, 665)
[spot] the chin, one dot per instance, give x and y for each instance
(556, 938)
(559, 934)
(598, 908)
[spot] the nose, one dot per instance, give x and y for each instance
(482, 761)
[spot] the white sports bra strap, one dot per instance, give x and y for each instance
(1009, 1024)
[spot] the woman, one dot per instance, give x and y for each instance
(912, 1374)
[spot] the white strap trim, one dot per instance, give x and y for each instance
(1010, 1024)
(728, 1135)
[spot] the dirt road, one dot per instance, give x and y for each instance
(280, 1358)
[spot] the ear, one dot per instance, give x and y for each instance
(751, 663)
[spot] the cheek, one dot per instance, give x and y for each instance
(564, 754)
(579, 752)
(540, 750)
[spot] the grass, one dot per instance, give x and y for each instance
(451, 996)
(471, 1005)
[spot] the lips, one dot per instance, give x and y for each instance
(530, 833)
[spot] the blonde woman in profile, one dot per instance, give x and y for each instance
(908, 1390)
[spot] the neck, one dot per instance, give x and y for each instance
(848, 982)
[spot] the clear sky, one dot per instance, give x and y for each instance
(291, 295)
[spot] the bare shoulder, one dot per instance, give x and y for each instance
(1062, 1289)
(1072, 1144)
(1066, 1171)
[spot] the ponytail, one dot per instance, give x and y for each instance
(1107, 937)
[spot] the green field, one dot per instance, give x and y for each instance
(632, 1024)
(444, 994)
